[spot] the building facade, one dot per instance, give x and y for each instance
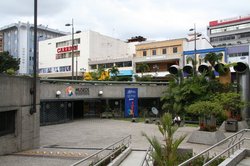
(1, 42)
(238, 54)
(201, 53)
(18, 40)
(159, 56)
(230, 31)
(91, 51)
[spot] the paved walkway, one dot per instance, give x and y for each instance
(64, 144)
(134, 158)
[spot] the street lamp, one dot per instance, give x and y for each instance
(72, 48)
(195, 38)
(77, 61)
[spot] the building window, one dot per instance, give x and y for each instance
(175, 50)
(127, 64)
(108, 65)
(153, 52)
(7, 122)
(93, 67)
(144, 53)
(164, 51)
(123, 64)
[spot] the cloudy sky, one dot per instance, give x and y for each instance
(122, 19)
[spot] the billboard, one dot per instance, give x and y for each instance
(131, 102)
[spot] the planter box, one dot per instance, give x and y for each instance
(206, 138)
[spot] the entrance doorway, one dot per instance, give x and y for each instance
(78, 109)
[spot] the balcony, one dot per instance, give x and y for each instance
(158, 58)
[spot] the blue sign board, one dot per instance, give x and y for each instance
(131, 102)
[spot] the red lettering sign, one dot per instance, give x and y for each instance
(66, 49)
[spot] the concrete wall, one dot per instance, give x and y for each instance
(15, 96)
(48, 90)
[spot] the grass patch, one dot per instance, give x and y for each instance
(191, 125)
(130, 119)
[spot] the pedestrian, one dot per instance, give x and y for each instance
(177, 120)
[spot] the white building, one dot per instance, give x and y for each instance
(230, 31)
(91, 50)
(18, 40)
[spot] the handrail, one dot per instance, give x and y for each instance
(227, 150)
(100, 82)
(216, 145)
(105, 148)
(147, 156)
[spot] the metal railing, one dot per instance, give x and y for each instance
(147, 160)
(107, 153)
(101, 82)
(234, 141)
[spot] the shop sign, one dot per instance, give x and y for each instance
(66, 49)
(81, 91)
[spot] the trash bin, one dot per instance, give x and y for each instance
(231, 125)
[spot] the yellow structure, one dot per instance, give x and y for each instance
(159, 55)
(87, 76)
(104, 76)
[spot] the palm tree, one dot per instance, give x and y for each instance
(213, 58)
(165, 154)
(114, 71)
(142, 67)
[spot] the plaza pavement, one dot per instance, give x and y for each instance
(81, 138)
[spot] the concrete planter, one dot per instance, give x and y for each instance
(206, 138)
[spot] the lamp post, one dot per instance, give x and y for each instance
(195, 38)
(72, 47)
(77, 61)
(33, 110)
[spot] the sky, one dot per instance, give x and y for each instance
(123, 19)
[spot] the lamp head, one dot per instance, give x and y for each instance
(58, 93)
(100, 93)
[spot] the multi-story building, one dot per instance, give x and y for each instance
(18, 41)
(230, 31)
(1, 42)
(238, 54)
(91, 51)
(159, 56)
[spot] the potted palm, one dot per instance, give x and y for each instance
(166, 153)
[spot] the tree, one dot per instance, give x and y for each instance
(207, 110)
(231, 103)
(213, 58)
(179, 96)
(165, 154)
(8, 64)
(114, 71)
(142, 68)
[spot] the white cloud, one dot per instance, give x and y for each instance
(153, 19)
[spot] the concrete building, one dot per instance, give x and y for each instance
(96, 99)
(159, 56)
(1, 42)
(18, 41)
(19, 130)
(230, 31)
(91, 51)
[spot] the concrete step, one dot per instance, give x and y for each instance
(134, 158)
